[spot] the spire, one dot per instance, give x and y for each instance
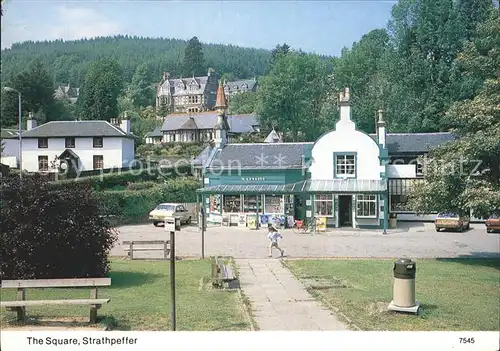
(221, 102)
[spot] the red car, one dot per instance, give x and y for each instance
(493, 223)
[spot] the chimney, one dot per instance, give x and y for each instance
(31, 122)
(166, 75)
(345, 105)
(211, 71)
(381, 130)
(125, 123)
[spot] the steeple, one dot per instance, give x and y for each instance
(222, 127)
(221, 102)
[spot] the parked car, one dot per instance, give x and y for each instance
(493, 223)
(169, 210)
(451, 220)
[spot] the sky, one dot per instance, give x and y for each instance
(322, 27)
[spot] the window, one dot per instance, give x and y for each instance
(43, 143)
(69, 142)
(324, 205)
(367, 205)
(345, 165)
(399, 189)
(273, 204)
(180, 209)
(43, 163)
(97, 142)
(193, 99)
(232, 203)
(98, 162)
(250, 204)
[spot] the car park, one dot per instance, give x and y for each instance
(451, 220)
(164, 210)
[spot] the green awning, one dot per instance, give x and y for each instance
(336, 186)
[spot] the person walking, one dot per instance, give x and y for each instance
(273, 236)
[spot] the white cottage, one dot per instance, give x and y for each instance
(78, 145)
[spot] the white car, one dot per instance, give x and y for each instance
(169, 210)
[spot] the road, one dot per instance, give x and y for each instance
(416, 240)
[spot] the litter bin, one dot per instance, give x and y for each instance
(404, 282)
(393, 220)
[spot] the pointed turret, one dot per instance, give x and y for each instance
(222, 126)
(221, 102)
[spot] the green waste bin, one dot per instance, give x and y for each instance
(404, 282)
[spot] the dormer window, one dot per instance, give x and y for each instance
(345, 165)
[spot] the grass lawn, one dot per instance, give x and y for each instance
(455, 294)
(140, 299)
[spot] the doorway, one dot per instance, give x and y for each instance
(345, 210)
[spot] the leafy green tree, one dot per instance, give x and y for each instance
(125, 105)
(290, 98)
(242, 103)
(278, 51)
(101, 89)
(194, 62)
(142, 92)
(163, 109)
(465, 174)
(144, 122)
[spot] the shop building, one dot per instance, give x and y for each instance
(343, 177)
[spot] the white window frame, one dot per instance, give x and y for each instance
(344, 163)
(324, 198)
(366, 200)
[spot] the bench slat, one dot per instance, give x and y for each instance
(53, 302)
(56, 283)
(146, 249)
(144, 242)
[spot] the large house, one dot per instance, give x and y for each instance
(187, 95)
(67, 92)
(201, 126)
(239, 86)
(75, 146)
(346, 177)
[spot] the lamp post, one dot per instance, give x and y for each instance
(20, 131)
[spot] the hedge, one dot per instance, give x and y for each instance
(130, 204)
(111, 180)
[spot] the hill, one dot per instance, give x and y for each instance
(67, 60)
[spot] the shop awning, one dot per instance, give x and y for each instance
(336, 186)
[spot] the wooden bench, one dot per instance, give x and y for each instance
(21, 285)
(142, 245)
(221, 272)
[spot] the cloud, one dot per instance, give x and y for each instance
(77, 23)
(67, 23)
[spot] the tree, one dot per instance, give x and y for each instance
(290, 98)
(163, 109)
(144, 122)
(242, 103)
(37, 91)
(194, 62)
(465, 174)
(142, 92)
(99, 94)
(277, 51)
(50, 233)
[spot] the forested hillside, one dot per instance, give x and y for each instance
(67, 61)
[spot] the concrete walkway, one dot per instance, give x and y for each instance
(279, 301)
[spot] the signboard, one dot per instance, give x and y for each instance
(242, 220)
(252, 221)
(321, 224)
(172, 224)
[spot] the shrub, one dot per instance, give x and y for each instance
(141, 185)
(52, 233)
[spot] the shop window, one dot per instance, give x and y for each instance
(345, 165)
(215, 203)
(232, 203)
(399, 191)
(367, 206)
(324, 205)
(273, 204)
(250, 204)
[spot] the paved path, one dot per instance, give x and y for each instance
(279, 301)
(416, 240)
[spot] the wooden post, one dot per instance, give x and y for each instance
(93, 308)
(172, 276)
(21, 311)
(131, 250)
(203, 226)
(165, 250)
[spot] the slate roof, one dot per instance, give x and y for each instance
(155, 133)
(261, 156)
(240, 85)
(202, 157)
(237, 123)
(273, 137)
(189, 124)
(75, 129)
(185, 86)
(7, 133)
(415, 143)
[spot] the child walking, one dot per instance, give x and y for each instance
(273, 236)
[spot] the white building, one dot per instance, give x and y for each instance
(10, 147)
(78, 146)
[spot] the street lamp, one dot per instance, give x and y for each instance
(12, 90)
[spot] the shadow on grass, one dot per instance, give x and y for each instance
(233, 326)
(128, 279)
(485, 259)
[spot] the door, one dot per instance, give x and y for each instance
(345, 210)
(300, 207)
